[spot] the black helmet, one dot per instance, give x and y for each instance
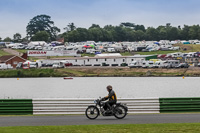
(109, 87)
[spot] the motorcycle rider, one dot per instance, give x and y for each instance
(112, 99)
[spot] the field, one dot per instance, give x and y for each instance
(130, 128)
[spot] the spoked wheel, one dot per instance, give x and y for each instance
(92, 112)
(120, 112)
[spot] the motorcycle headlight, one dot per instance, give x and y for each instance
(95, 101)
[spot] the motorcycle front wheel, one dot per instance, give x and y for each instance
(120, 112)
(92, 112)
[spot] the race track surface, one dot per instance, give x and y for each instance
(82, 120)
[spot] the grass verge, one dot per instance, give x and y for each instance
(129, 128)
(97, 72)
(2, 53)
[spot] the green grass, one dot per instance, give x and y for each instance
(2, 53)
(126, 54)
(21, 50)
(89, 55)
(30, 73)
(129, 128)
(155, 52)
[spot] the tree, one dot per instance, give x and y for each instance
(140, 27)
(95, 34)
(139, 35)
(42, 23)
(151, 34)
(25, 39)
(128, 25)
(0, 39)
(162, 33)
(193, 32)
(185, 32)
(173, 34)
(7, 39)
(17, 37)
(70, 27)
(41, 36)
(94, 26)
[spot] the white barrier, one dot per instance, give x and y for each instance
(79, 105)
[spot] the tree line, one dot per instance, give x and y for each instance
(42, 28)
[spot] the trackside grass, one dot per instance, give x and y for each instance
(129, 128)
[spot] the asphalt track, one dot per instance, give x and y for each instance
(82, 120)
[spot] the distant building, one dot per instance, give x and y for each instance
(13, 60)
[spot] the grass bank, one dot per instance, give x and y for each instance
(129, 128)
(2, 53)
(99, 72)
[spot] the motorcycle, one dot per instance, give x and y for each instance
(118, 110)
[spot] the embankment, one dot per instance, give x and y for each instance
(100, 72)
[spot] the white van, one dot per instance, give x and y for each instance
(160, 64)
(147, 64)
(59, 64)
(5, 66)
(111, 50)
(29, 64)
(173, 63)
(135, 64)
(190, 54)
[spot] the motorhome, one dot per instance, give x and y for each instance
(191, 54)
(173, 63)
(178, 54)
(135, 64)
(61, 64)
(111, 50)
(4, 66)
(29, 64)
(147, 64)
(160, 64)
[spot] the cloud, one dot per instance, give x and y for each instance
(16, 14)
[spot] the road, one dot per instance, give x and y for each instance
(82, 120)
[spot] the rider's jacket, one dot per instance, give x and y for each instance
(111, 96)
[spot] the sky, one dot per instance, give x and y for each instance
(16, 14)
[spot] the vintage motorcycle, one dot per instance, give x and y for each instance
(118, 110)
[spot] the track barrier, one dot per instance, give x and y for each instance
(40, 106)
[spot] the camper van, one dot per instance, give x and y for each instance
(191, 54)
(61, 64)
(147, 64)
(111, 50)
(160, 64)
(135, 64)
(29, 64)
(5, 66)
(173, 63)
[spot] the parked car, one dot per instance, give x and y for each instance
(68, 64)
(183, 65)
(145, 50)
(162, 56)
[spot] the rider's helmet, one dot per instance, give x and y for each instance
(109, 87)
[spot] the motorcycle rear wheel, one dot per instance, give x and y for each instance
(92, 112)
(120, 112)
